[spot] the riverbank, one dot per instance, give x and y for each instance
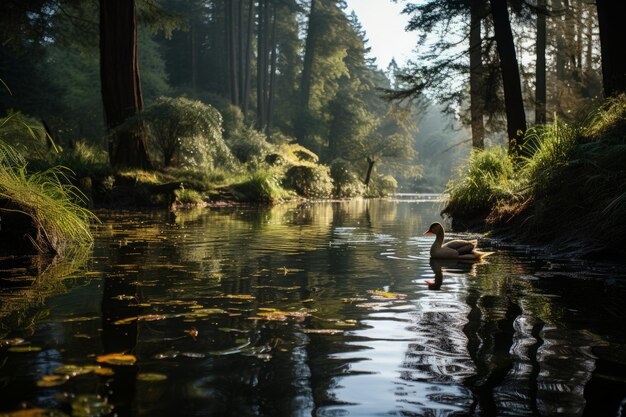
(568, 193)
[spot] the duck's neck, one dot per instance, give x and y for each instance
(439, 239)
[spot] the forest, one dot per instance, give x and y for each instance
(227, 208)
(169, 102)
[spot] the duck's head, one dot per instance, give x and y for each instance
(434, 229)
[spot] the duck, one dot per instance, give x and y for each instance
(454, 249)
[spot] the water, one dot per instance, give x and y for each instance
(267, 312)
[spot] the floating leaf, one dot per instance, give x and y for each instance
(90, 406)
(123, 297)
(322, 331)
(385, 294)
(80, 319)
(34, 412)
(117, 359)
(74, 370)
(353, 300)
(24, 349)
(245, 297)
(281, 315)
(11, 342)
(52, 381)
(192, 331)
(151, 377)
(103, 371)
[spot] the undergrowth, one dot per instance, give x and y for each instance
(47, 198)
(569, 188)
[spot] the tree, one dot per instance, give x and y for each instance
(476, 74)
(540, 66)
(120, 82)
(514, 104)
(612, 41)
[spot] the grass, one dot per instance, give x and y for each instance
(261, 186)
(47, 198)
(570, 189)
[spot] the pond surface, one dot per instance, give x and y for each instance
(320, 309)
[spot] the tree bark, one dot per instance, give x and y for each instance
(232, 52)
(248, 62)
(476, 75)
(612, 41)
(120, 82)
(300, 128)
(540, 67)
(370, 168)
(260, 66)
(272, 77)
(513, 101)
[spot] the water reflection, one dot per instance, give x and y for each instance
(321, 309)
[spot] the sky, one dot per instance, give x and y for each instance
(384, 26)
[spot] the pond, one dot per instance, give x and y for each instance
(325, 309)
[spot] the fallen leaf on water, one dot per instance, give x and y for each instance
(117, 359)
(192, 331)
(34, 412)
(375, 306)
(385, 294)
(24, 349)
(11, 342)
(48, 381)
(322, 331)
(80, 319)
(246, 297)
(308, 300)
(353, 300)
(151, 377)
(282, 315)
(123, 297)
(74, 370)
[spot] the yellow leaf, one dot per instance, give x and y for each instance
(52, 381)
(117, 359)
(385, 294)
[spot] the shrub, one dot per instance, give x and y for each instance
(312, 181)
(381, 186)
(260, 186)
(346, 183)
(184, 132)
(249, 146)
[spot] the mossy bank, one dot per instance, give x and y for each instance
(567, 192)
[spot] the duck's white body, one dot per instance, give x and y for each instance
(454, 249)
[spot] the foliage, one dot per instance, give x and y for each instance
(570, 187)
(260, 186)
(480, 184)
(312, 181)
(381, 186)
(47, 198)
(185, 132)
(249, 146)
(26, 135)
(345, 181)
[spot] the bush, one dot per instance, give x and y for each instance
(249, 146)
(346, 183)
(260, 186)
(381, 186)
(184, 132)
(311, 181)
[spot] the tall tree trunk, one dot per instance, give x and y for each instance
(540, 68)
(120, 81)
(612, 41)
(515, 116)
(248, 61)
(232, 53)
(300, 128)
(260, 66)
(561, 43)
(194, 56)
(272, 77)
(241, 51)
(589, 46)
(476, 75)
(370, 168)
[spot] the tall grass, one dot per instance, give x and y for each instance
(48, 198)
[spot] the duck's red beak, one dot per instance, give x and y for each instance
(429, 233)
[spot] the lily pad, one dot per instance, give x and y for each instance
(151, 377)
(48, 381)
(24, 349)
